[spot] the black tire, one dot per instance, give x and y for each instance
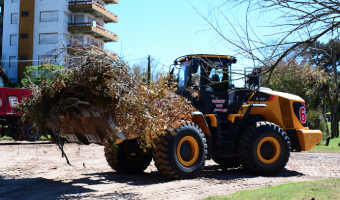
(229, 162)
(182, 155)
(264, 148)
(30, 132)
(127, 161)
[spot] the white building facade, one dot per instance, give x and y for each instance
(34, 28)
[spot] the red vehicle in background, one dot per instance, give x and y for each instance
(9, 99)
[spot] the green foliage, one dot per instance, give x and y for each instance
(322, 54)
(321, 189)
(139, 73)
(312, 115)
(39, 75)
(6, 138)
(299, 79)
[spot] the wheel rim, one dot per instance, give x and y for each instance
(131, 154)
(187, 151)
(268, 150)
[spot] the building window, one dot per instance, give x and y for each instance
(14, 18)
(24, 14)
(79, 19)
(23, 57)
(12, 71)
(90, 40)
(13, 40)
(79, 38)
(12, 62)
(48, 38)
(15, 1)
(24, 36)
(49, 16)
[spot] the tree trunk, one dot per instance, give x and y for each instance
(333, 120)
(324, 117)
(332, 108)
(336, 113)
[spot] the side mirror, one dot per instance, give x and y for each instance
(175, 62)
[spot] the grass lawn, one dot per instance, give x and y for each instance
(322, 189)
(332, 147)
(6, 138)
(42, 138)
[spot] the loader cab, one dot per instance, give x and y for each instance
(207, 76)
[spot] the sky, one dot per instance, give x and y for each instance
(167, 30)
(163, 29)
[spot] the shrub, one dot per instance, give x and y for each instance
(312, 115)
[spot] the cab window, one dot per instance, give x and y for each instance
(218, 79)
(195, 78)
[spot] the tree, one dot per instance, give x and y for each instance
(139, 70)
(299, 25)
(39, 75)
(322, 54)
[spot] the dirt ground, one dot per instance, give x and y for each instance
(37, 171)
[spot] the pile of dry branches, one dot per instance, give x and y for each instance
(98, 79)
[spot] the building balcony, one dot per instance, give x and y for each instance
(94, 8)
(111, 1)
(94, 30)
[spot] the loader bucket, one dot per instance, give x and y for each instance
(91, 126)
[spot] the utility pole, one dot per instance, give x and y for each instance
(149, 71)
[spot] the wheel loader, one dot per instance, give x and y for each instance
(252, 127)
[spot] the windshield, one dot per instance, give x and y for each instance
(186, 78)
(183, 76)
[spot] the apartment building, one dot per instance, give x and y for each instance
(33, 28)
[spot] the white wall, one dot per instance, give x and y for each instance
(10, 29)
(58, 27)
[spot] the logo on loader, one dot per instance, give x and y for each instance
(303, 117)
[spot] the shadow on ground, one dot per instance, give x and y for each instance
(41, 188)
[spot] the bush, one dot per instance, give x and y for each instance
(39, 75)
(312, 115)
